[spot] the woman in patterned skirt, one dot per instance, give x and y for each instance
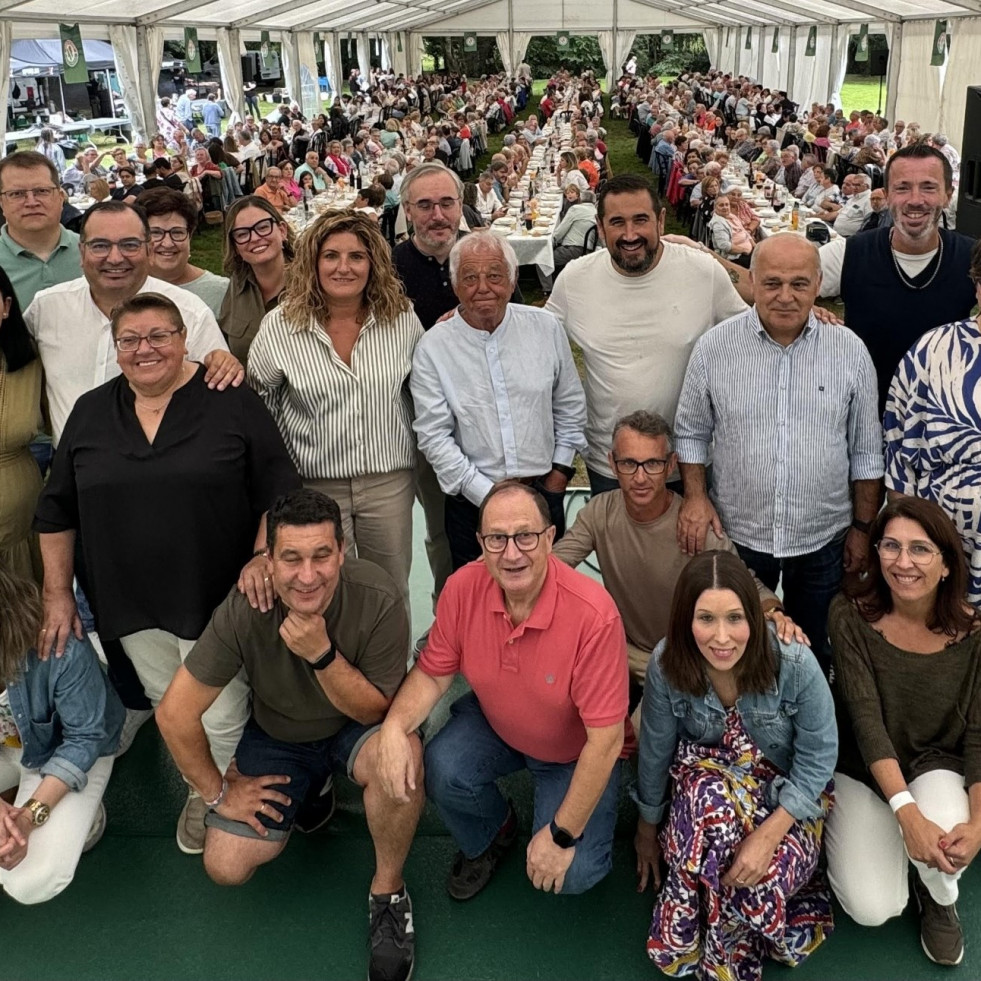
(933, 427)
(743, 725)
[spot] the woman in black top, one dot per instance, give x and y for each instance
(167, 482)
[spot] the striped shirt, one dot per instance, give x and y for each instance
(338, 421)
(791, 426)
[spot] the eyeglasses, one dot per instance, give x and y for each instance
(156, 339)
(41, 193)
(176, 234)
(101, 247)
(261, 229)
(918, 552)
(426, 206)
(652, 467)
(526, 541)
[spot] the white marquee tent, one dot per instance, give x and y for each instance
(932, 96)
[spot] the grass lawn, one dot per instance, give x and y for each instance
(860, 92)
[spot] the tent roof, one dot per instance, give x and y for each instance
(44, 57)
(455, 16)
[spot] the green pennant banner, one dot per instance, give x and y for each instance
(940, 43)
(862, 44)
(398, 40)
(265, 50)
(667, 39)
(728, 35)
(812, 42)
(192, 51)
(749, 38)
(73, 54)
(775, 47)
(470, 43)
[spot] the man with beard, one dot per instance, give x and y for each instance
(636, 311)
(899, 282)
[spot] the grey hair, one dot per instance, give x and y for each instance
(646, 423)
(485, 175)
(483, 245)
(428, 170)
(863, 178)
(772, 145)
(940, 139)
(587, 196)
(793, 149)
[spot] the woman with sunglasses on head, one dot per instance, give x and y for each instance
(166, 482)
(258, 250)
(907, 679)
(172, 218)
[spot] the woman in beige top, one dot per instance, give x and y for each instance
(20, 403)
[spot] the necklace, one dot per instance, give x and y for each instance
(907, 282)
(143, 404)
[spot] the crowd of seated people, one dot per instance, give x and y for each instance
(287, 416)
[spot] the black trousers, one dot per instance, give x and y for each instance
(461, 524)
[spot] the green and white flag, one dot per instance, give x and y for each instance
(562, 40)
(749, 38)
(941, 41)
(667, 39)
(470, 43)
(265, 50)
(73, 54)
(192, 52)
(812, 42)
(728, 36)
(862, 45)
(775, 47)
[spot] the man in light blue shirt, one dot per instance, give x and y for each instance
(212, 114)
(789, 407)
(496, 394)
(184, 109)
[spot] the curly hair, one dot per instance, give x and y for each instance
(20, 601)
(233, 264)
(303, 297)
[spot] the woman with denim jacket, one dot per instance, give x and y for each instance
(742, 726)
(60, 721)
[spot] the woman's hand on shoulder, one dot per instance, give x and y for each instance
(255, 584)
(787, 630)
(60, 621)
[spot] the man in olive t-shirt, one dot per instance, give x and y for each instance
(324, 650)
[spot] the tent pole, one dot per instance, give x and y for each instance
(514, 67)
(792, 63)
(892, 82)
(832, 67)
(759, 57)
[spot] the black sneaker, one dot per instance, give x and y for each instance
(469, 875)
(315, 812)
(392, 937)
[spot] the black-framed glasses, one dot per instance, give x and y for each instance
(101, 247)
(177, 234)
(261, 229)
(41, 193)
(527, 541)
(627, 466)
(156, 339)
(919, 552)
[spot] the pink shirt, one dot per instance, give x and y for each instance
(541, 683)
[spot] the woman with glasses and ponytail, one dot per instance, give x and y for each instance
(258, 249)
(166, 483)
(907, 682)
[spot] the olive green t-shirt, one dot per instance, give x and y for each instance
(366, 621)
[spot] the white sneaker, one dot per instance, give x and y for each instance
(97, 830)
(134, 719)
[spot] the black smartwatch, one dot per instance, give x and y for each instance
(326, 659)
(863, 526)
(567, 472)
(561, 837)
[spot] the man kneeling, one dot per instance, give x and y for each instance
(543, 649)
(323, 664)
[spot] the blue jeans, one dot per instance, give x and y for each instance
(463, 763)
(599, 483)
(810, 583)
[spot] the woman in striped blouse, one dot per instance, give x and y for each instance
(332, 364)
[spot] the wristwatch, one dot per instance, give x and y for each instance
(39, 812)
(561, 837)
(326, 659)
(863, 526)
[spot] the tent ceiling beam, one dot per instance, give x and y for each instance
(343, 21)
(764, 19)
(171, 10)
(681, 9)
(280, 8)
(747, 18)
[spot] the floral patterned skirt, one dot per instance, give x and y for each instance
(708, 930)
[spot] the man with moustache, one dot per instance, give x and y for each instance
(900, 282)
(636, 310)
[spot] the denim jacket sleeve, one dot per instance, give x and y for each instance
(815, 749)
(75, 716)
(659, 730)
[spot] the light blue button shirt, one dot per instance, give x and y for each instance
(490, 406)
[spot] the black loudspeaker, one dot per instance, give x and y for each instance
(878, 62)
(969, 191)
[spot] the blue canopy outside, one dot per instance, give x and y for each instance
(44, 57)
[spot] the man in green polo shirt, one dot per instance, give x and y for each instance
(324, 647)
(35, 250)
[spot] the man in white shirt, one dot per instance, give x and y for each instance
(70, 321)
(489, 204)
(636, 310)
(856, 207)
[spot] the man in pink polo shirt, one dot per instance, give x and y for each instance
(543, 649)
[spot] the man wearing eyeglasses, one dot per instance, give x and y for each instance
(70, 322)
(543, 650)
(36, 251)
